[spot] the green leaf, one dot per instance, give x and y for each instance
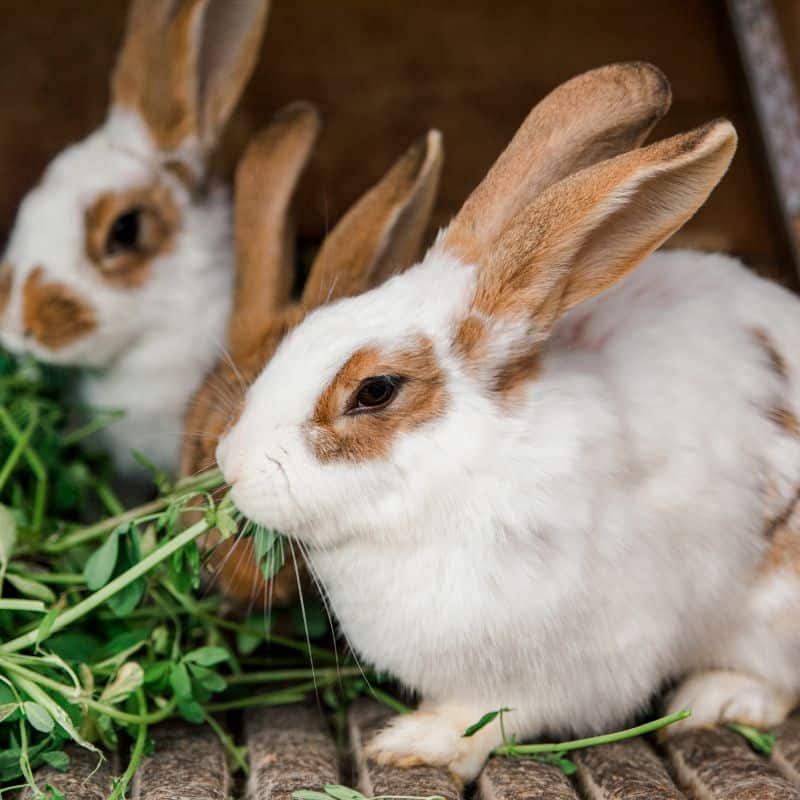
(343, 792)
(308, 794)
(8, 536)
(7, 709)
(759, 740)
(207, 656)
(247, 642)
(53, 793)
(100, 566)
(37, 716)
(126, 599)
(559, 760)
(31, 588)
(57, 759)
(484, 721)
(180, 681)
(226, 524)
(208, 679)
(129, 677)
(191, 711)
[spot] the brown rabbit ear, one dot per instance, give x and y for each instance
(382, 233)
(184, 64)
(581, 236)
(592, 117)
(265, 182)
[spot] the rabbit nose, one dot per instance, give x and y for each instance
(229, 459)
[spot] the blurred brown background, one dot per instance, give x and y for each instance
(383, 71)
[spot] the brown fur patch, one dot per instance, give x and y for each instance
(183, 173)
(784, 552)
(159, 222)
(776, 361)
(785, 419)
(6, 281)
(335, 435)
(53, 314)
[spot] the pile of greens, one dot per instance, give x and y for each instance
(105, 628)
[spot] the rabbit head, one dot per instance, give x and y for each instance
(377, 412)
(122, 221)
(381, 234)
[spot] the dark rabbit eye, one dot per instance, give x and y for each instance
(375, 393)
(124, 232)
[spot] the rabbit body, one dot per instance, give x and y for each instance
(531, 475)
(120, 261)
(603, 536)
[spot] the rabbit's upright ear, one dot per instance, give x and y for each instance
(265, 182)
(184, 64)
(382, 233)
(592, 117)
(581, 236)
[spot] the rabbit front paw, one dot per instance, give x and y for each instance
(434, 737)
(719, 696)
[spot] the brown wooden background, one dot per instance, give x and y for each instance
(383, 71)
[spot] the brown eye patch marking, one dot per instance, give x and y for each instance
(6, 280)
(335, 435)
(158, 221)
(53, 314)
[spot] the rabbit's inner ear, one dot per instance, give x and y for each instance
(126, 231)
(342, 428)
(53, 314)
(6, 280)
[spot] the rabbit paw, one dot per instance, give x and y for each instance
(721, 696)
(434, 738)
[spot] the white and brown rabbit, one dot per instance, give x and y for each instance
(529, 474)
(120, 260)
(380, 235)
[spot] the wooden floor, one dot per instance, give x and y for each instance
(291, 748)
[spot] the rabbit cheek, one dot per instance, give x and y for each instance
(157, 220)
(53, 315)
(334, 435)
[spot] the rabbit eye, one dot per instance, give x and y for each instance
(375, 393)
(124, 233)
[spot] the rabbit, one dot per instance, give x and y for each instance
(381, 234)
(544, 469)
(120, 259)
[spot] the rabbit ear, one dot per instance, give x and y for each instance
(580, 237)
(382, 233)
(265, 182)
(592, 117)
(184, 64)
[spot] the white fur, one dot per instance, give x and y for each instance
(563, 555)
(153, 344)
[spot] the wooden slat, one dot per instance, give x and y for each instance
(365, 719)
(83, 781)
(523, 779)
(624, 771)
(290, 748)
(717, 764)
(188, 763)
(786, 755)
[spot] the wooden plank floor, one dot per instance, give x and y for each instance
(292, 748)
